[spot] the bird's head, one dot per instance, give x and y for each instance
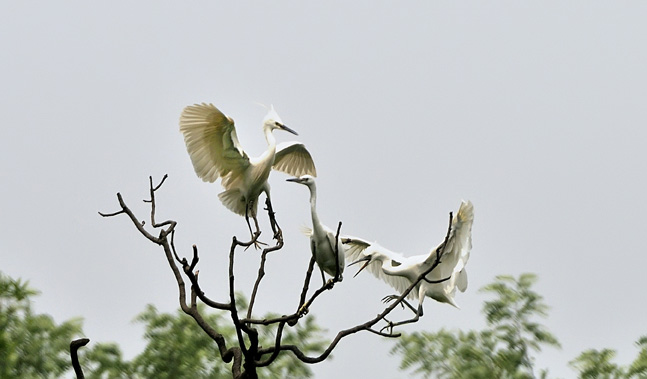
(307, 180)
(273, 122)
(367, 258)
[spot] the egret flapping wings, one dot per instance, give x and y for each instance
(215, 151)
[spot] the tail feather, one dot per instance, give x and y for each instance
(307, 231)
(461, 280)
(234, 200)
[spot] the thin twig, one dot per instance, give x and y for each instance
(261, 274)
(227, 354)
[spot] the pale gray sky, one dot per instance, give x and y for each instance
(535, 111)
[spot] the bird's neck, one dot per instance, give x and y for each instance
(269, 137)
(268, 156)
(313, 206)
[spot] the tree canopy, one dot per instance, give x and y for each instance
(34, 345)
(503, 350)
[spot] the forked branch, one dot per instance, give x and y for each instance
(248, 355)
(368, 325)
(166, 229)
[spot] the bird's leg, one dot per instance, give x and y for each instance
(392, 325)
(254, 235)
(338, 277)
(327, 285)
(278, 233)
(404, 302)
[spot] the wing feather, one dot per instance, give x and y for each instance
(354, 247)
(354, 251)
(294, 159)
(211, 141)
(457, 251)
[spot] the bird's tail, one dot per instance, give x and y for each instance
(461, 280)
(234, 200)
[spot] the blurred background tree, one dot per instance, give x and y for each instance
(178, 348)
(599, 364)
(34, 345)
(502, 350)
(31, 345)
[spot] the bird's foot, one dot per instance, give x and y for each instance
(303, 310)
(254, 241)
(330, 283)
(278, 235)
(390, 298)
(389, 326)
(258, 245)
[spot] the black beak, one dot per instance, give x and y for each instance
(365, 259)
(288, 129)
(295, 180)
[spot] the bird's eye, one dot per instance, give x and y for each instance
(277, 123)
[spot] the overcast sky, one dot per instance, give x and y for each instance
(534, 111)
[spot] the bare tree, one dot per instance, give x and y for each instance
(245, 354)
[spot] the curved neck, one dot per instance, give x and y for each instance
(269, 137)
(313, 206)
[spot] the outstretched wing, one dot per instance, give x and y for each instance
(457, 251)
(355, 248)
(293, 159)
(212, 143)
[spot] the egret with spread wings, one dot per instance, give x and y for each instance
(215, 152)
(327, 250)
(400, 272)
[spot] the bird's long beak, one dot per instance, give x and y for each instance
(288, 130)
(367, 259)
(296, 180)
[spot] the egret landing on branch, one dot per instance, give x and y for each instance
(327, 250)
(215, 152)
(400, 272)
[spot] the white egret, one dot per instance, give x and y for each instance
(323, 243)
(400, 272)
(215, 152)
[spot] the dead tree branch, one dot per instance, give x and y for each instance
(248, 355)
(74, 347)
(368, 326)
(166, 229)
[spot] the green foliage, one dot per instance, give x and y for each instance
(502, 350)
(178, 348)
(598, 364)
(31, 345)
(638, 368)
(307, 335)
(104, 360)
(34, 346)
(511, 314)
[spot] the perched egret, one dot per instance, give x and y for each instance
(323, 243)
(215, 152)
(400, 272)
